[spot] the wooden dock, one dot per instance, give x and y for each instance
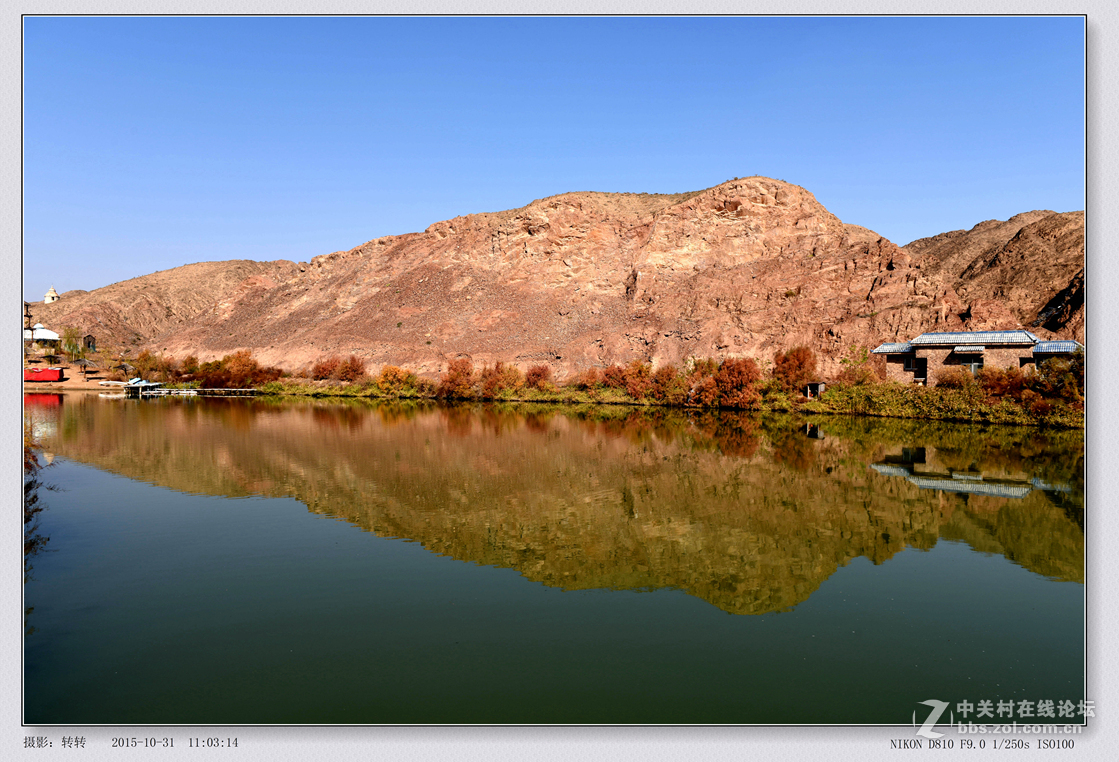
(196, 392)
(152, 389)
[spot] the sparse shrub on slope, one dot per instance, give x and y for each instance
(860, 367)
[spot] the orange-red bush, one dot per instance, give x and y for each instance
(795, 368)
(614, 377)
(326, 368)
(351, 370)
(736, 382)
(638, 379)
(1001, 383)
(587, 379)
(239, 370)
(668, 386)
(458, 381)
(538, 377)
(499, 378)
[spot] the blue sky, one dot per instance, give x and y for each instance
(150, 143)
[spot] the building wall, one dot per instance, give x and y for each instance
(941, 358)
(895, 369)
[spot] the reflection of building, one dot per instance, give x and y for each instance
(966, 482)
(915, 359)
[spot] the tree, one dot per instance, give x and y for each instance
(72, 343)
(795, 369)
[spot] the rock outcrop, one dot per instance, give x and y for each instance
(746, 268)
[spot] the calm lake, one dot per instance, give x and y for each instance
(235, 561)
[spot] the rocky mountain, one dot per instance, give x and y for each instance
(744, 268)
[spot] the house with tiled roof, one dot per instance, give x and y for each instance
(914, 360)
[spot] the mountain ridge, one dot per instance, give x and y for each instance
(579, 279)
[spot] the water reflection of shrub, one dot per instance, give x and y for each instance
(734, 434)
(793, 449)
(459, 419)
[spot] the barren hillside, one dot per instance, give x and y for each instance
(745, 268)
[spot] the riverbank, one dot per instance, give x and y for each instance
(1051, 398)
(881, 400)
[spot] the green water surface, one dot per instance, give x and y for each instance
(253, 561)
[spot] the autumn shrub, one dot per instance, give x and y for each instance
(499, 378)
(394, 380)
(326, 368)
(145, 364)
(239, 370)
(668, 387)
(351, 370)
(614, 377)
(736, 381)
(167, 369)
(703, 367)
(706, 392)
(586, 380)
(189, 365)
(638, 379)
(538, 377)
(458, 381)
(1059, 378)
(955, 377)
(860, 367)
(1000, 384)
(795, 368)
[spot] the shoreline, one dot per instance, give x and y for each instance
(952, 407)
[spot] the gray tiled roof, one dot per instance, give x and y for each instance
(976, 337)
(891, 349)
(969, 350)
(1057, 347)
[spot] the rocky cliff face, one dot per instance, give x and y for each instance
(745, 268)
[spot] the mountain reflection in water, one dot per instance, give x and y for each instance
(749, 514)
